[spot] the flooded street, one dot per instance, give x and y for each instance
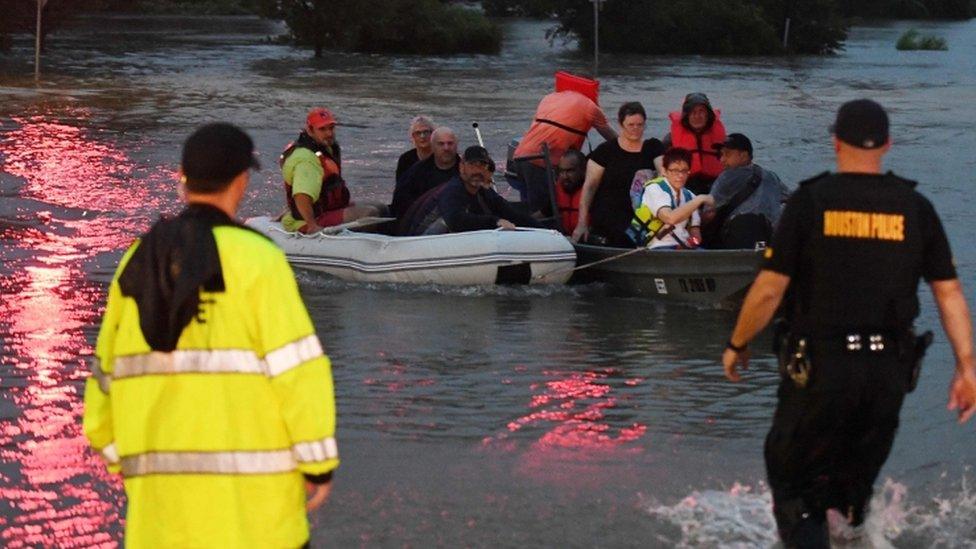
(552, 416)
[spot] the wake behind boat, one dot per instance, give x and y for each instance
(703, 277)
(477, 258)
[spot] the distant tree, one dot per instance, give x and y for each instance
(726, 27)
(318, 23)
(185, 7)
(525, 8)
(816, 26)
(20, 16)
(402, 26)
(911, 9)
(427, 27)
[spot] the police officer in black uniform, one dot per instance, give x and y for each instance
(848, 253)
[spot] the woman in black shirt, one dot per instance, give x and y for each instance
(605, 209)
(420, 129)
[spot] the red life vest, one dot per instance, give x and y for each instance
(580, 84)
(704, 158)
(568, 205)
(334, 194)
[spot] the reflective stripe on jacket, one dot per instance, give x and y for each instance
(213, 438)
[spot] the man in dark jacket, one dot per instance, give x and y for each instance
(427, 174)
(748, 199)
(466, 202)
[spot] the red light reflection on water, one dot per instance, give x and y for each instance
(65, 167)
(576, 404)
(572, 409)
(53, 490)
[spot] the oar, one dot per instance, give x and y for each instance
(588, 265)
(481, 143)
(356, 224)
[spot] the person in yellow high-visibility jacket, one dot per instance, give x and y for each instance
(211, 393)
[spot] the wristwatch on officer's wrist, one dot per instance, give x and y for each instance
(736, 348)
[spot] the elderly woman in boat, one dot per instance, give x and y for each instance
(421, 129)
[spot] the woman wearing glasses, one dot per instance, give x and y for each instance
(420, 129)
(605, 207)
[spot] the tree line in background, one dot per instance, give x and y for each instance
(727, 27)
(724, 27)
(402, 26)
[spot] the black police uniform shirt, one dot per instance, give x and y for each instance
(855, 247)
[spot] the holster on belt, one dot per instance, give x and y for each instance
(791, 353)
(914, 348)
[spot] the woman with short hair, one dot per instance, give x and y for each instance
(421, 129)
(605, 207)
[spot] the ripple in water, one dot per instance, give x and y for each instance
(742, 517)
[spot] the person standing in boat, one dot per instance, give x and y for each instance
(562, 121)
(698, 128)
(748, 199)
(315, 190)
(420, 132)
(440, 167)
(466, 202)
(676, 209)
(849, 252)
(605, 207)
(210, 392)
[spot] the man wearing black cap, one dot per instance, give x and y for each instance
(210, 392)
(465, 203)
(851, 248)
(748, 199)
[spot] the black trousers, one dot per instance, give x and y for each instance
(830, 439)
(537, 188)
(744, 231)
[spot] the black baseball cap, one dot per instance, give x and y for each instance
(217, 153)
(475, 153)
(862, 123)
(735, 141)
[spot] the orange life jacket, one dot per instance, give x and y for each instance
(704, 158)
(335, 194)
(568, 205)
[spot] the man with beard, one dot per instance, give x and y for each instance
(466, 202)
(317, 194)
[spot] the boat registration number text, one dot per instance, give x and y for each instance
(696, 285)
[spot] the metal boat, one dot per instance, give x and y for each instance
(702, 277)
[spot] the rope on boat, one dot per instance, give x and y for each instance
(588, 265)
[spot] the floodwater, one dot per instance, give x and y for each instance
(467, 417)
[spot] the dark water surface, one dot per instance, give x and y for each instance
(468, 417)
